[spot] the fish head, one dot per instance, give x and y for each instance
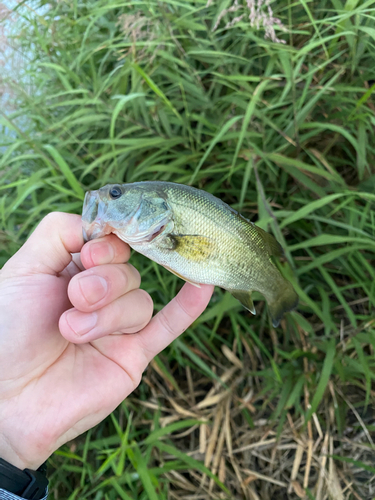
(135, 213)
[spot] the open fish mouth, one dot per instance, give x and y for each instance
(93, 225)
(95, 230)
(85, 237)
(90, 206)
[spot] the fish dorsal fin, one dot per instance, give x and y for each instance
(182, 277)
(245, 298)
(273, 246)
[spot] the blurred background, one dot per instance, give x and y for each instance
(269, 106)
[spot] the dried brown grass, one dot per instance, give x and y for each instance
(260, 462)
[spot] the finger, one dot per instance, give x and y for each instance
(128, 314)
(76, 259)
(95, 288)
(74, 267)
(48, 250)
(134, 352)
(106, 250)
(174, 319)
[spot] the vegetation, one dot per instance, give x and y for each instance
(123, 91)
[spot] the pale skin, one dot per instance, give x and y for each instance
(76, 335)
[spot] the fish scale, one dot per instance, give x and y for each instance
(194, 235)
(226, 260)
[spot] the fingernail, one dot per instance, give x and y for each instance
(93, 288)
(81, 323)
(102, 253)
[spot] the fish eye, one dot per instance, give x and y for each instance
(115, 192)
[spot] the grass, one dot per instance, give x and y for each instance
(129, 91)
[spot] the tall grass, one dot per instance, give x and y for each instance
(128, 91)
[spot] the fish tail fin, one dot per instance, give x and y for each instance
(286, 300)
(280, 295)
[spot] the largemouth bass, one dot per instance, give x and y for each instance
(194, 235)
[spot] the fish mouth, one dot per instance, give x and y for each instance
(84, 234)
(95, 230)
(93, 225)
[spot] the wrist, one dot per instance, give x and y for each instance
(17, 459)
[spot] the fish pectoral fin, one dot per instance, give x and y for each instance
(245, 298)
(192, 246)
(182, 277)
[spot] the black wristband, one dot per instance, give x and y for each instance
(29, 484)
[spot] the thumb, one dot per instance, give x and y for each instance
(48, 250)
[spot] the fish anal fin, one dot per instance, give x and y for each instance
(182, 277)
(192, 247)
(245, 298)
(273, 246)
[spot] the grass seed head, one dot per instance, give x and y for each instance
(259, 13)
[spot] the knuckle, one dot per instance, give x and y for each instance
(124, 277)
(135, 375)
(50, 218)
(171, 330)
(134, 311)
(183, 308)
(147, 300)
(146, 349)
(53, 218)
(135, 273)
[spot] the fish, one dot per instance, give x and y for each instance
(196, 236)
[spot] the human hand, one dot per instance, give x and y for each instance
(57, 381)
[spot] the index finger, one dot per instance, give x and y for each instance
(174, 319)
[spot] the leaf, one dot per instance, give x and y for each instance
(253, 101)
(65, 169)
(311, 207)
(157, 90)
(330, 239)
(191, 462)
(122, 100)
(176, 426)
(214, 141)
(145, 474)
(323, 380)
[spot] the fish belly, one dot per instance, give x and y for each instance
(224, 268)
